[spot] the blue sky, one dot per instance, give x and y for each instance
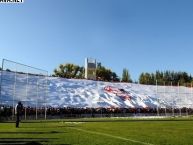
(140, 35)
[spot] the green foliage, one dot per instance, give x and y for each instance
(147, 78)
(74, 71)
(126, 76)
(69, 71)
(166, 78)
(105, 74)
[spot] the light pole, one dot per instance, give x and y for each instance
(157, 99)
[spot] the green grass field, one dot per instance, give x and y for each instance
(100, 132)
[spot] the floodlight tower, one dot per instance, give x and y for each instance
(90, 68)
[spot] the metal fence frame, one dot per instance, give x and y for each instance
(34, 71)
(177, 93)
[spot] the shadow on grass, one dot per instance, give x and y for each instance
(36, 132)
(27, 141)
(39, 127)
(23, 141)
(53, 127)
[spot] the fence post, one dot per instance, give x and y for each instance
(165, 96)
(172, 101)
(179, 98)
(157, 99)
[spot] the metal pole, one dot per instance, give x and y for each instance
(179, 98)
(1, 83)
(191, 92)
(37, 100)
(173, 101)
(165, 96)
(26, 92)
(157, 99)
(0, 87)
(186, 91)
(25, 65)
(14, 85)
(45, 113)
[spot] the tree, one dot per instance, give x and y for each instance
(105, 74)
(147, 78)
(166, 78)
(74, 71)
(69, 71)
(126, 76)
(114, 77)
(81, 73)
(142, 78)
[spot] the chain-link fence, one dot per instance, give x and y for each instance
(29, 85)
(23, 83)
(177, 99)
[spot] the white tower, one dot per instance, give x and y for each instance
(90, 68)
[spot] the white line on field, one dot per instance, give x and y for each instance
(112, 136)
